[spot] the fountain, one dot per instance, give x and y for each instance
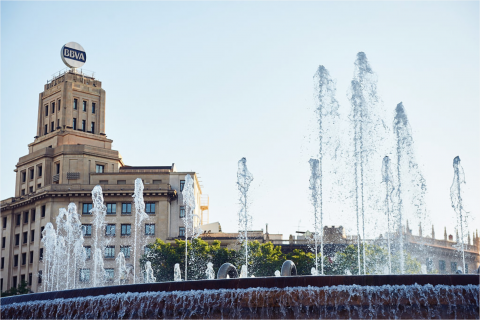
(209, 272)
(140, 216)
(315, 187)
(457, 204)
(149, 277)
(177, 274)
(98, 211)
(189, 202)
(244, 178)
(387, 178)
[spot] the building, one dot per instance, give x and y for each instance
(69, 156)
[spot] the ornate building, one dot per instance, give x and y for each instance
(70, 155)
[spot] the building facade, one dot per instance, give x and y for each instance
(70, 155)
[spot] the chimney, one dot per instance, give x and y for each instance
(420, 229)
(266, 228)
(433, 232)
(457, 238)
(408, 228)
(468, 239)
(445, 234)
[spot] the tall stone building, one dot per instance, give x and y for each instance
(70, 155)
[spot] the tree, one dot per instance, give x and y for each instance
(304, 261)
(22, 289)
(264, 258)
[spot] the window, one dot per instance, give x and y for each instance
(24, 176)
(22, 278)
(110, 252)
(46, 110)
(23, 192)
(30, 278)
(17, 239)
(111, 208)
(181, 232)
(4, 222)
(15, 260)
(88, 252)
(40, 255)
(92, 127)
(75, 104)
(24, 258)
(57, 168)
(19, 218)
(15, 281)
(110, 230)
(39, 186)
(182, 212)
(182, 185)
(30, 189)
(25, 237)
(53, 107)
(59, 103)
(45, 131)
(31, 257)
(86, 208)
(157, 181)
(52, 126)
(2, 264)
(121, 181)
(126, 208)
(3, 242)
(74, 124)
(146, 250)
(32, 235)
(84, 275)
(126, 251)
(453, 267)
(87, 230)
(99, 168)
(93, 107)
(33, 213)
(150, 207)
(441, 266)
(39, 170)
(103, 181)
(41, 232)
(58, 123)
(40, 276)
(84, 124)
(466, 268)
(31, 174)
(84, 106)
(43, 211)
(126, 229)
(109, 274)
(25, 217)
(150, 229)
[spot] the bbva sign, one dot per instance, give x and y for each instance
(73, 55)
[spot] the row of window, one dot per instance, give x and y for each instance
(442, 266)
(126, 208)
(109, 252)
(85, 274)
(26, 215)
(23, 259)
(84, 126)
(125, 229)
(75, 106)
(31, 174)
(52, 107)
(22, 277)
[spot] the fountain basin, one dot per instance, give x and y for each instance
(377, 297)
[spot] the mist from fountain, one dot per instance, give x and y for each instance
(457, 205)
(244, 179)
(210, 273)
(177, 274)
(189, 202)
(315, 198)
(149, 277)
(140, 216)
(411, 186)
(121, 268)
(387, 178)
(367, 126)
(99, 212)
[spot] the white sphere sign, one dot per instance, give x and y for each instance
(73, 55)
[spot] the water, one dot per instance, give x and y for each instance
(122, 272)
(210, 273)
(149, 277)
(244, 179)
(315, 188)
(177, 274)
(277, 273)
(189, 202)
(411, 186)
(243, 271)
(140, 217)
(387, 178)
(345, 301)
(457, 205)
(64, 253)
(367, 136)
(99, 212)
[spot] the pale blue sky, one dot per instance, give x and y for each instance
(217, 81)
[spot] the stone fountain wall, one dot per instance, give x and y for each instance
(374, 297)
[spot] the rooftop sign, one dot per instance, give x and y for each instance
(73, 55)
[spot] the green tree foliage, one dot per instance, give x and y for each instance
(264, 259)
(22, 289)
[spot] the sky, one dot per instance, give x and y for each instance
(203, 84)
